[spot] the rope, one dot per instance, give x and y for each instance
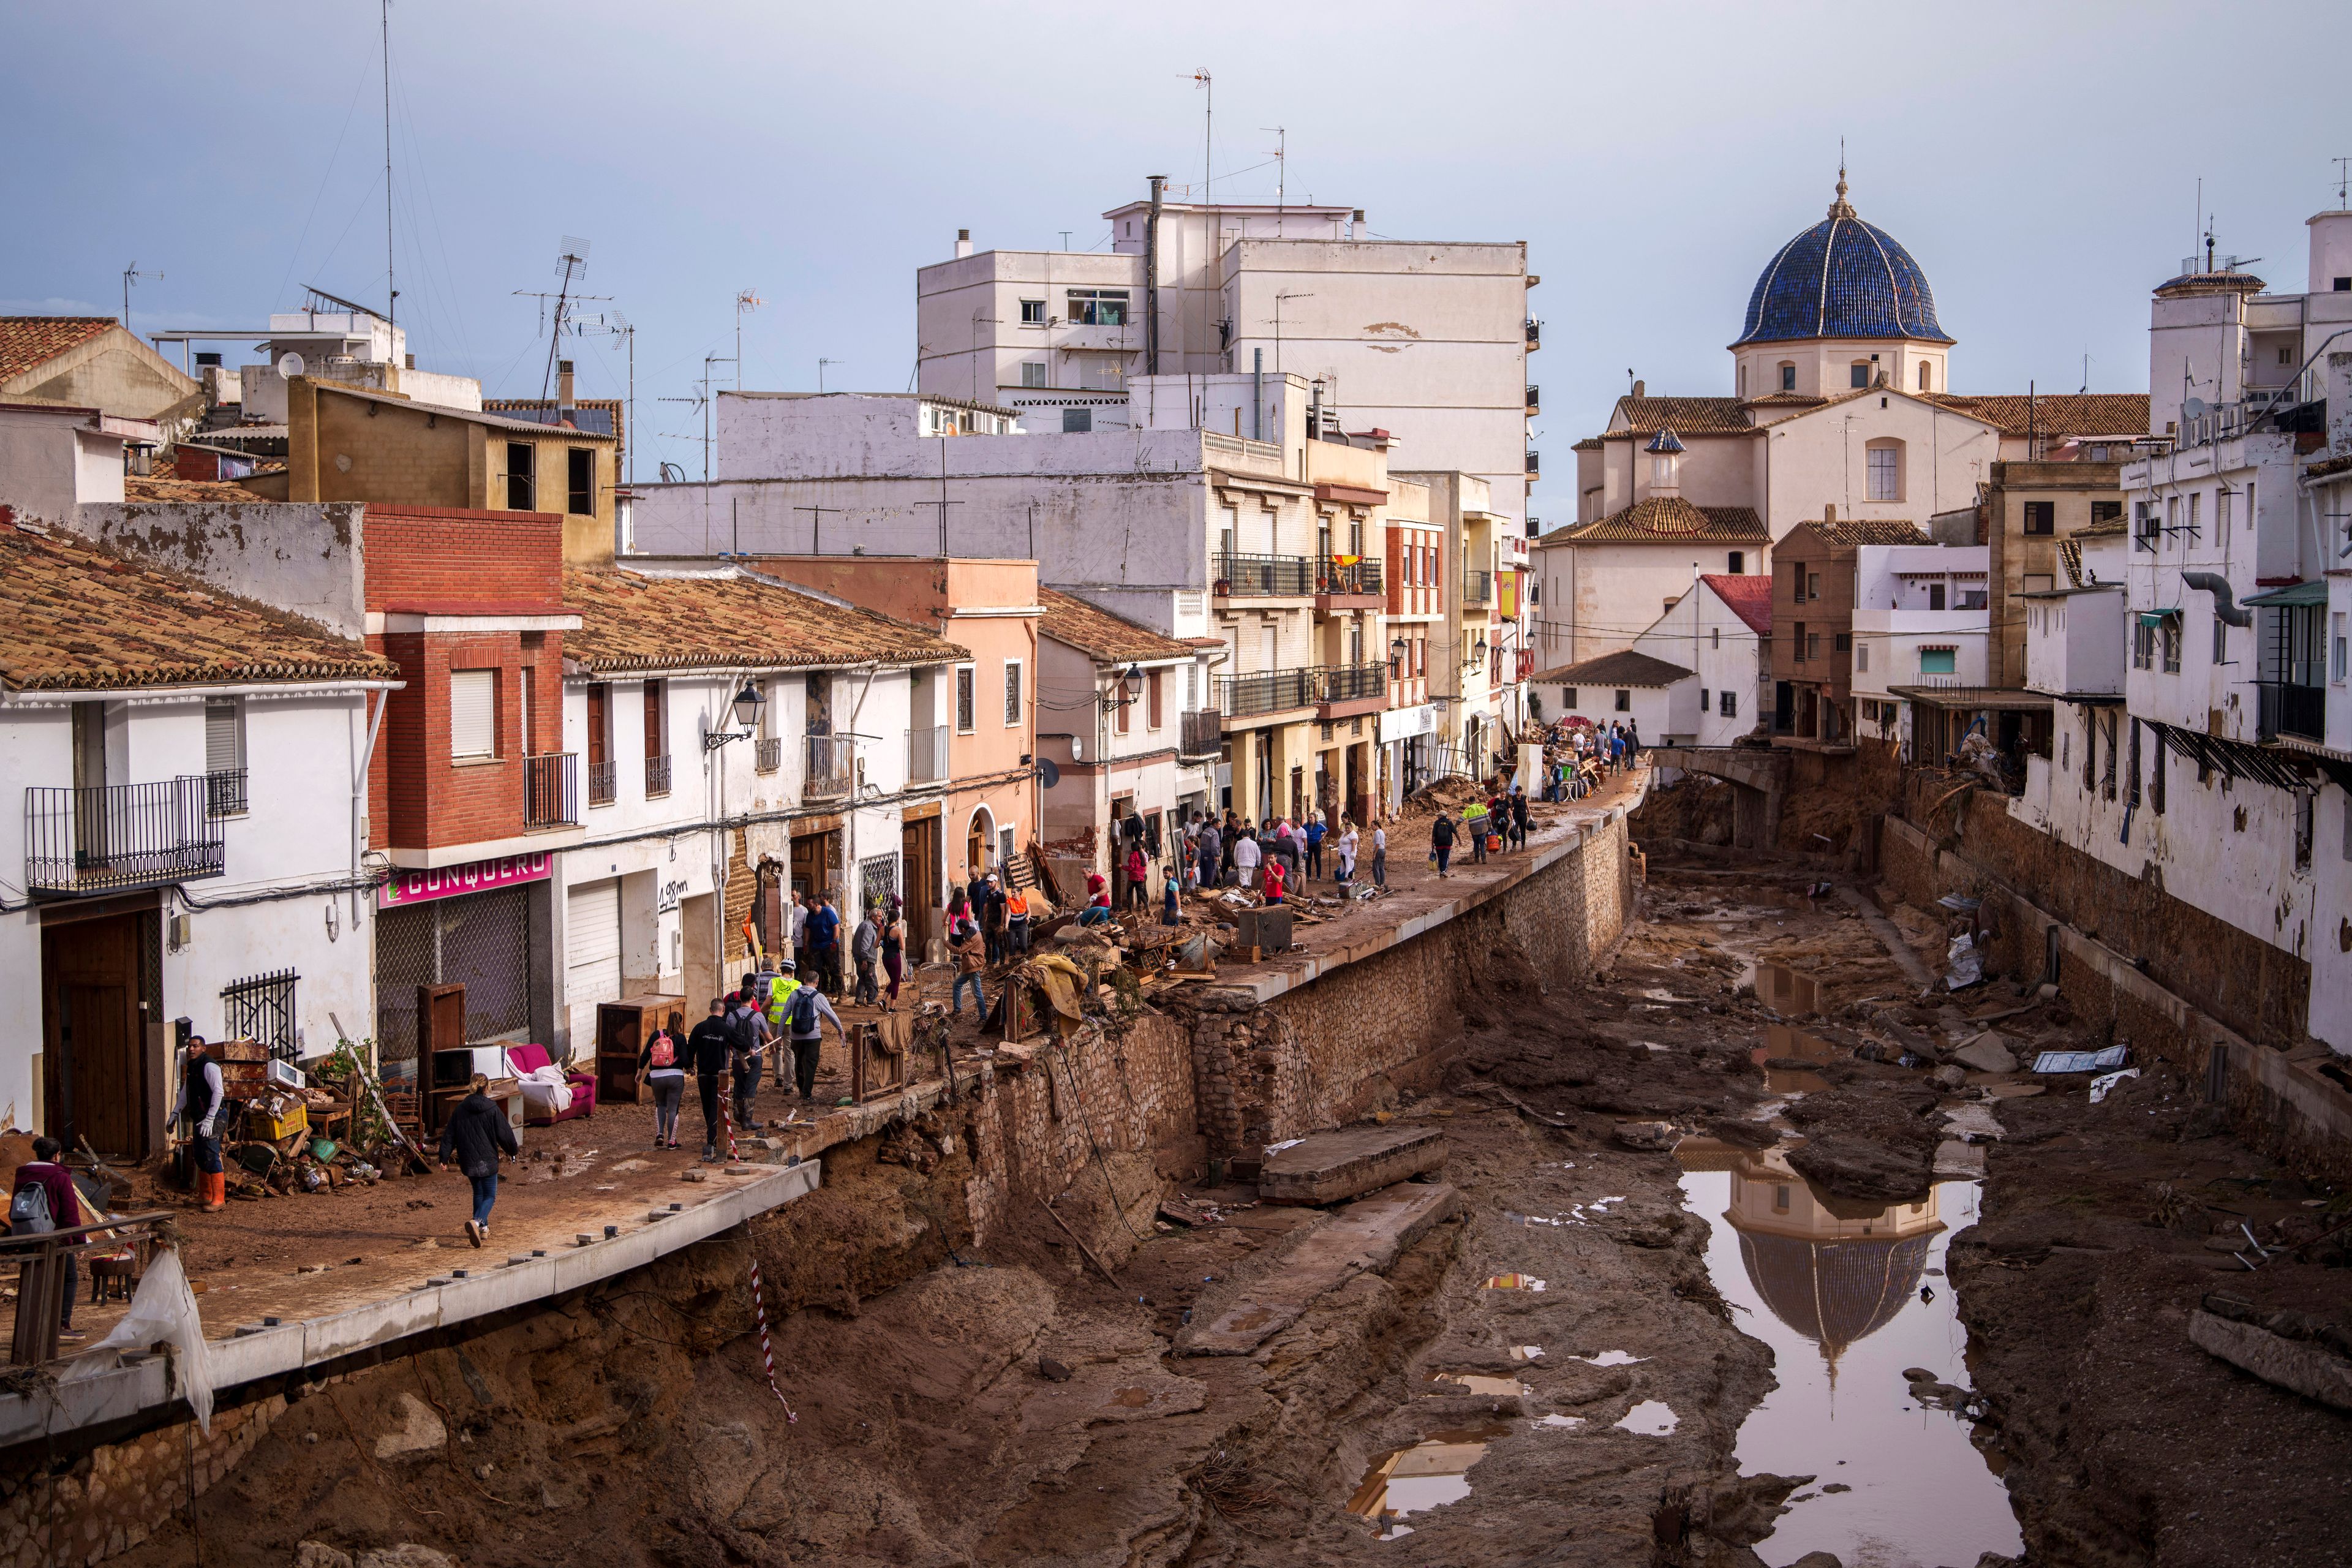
(758, 1298)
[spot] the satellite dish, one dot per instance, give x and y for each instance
(290, 365)
(1047, 773)
(2194, 408)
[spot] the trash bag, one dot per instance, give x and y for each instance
(1967, 965)
(164, 1312)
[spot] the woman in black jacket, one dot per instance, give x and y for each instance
(478, 1130)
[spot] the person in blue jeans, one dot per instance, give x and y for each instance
(478, 1132)
(971, 957)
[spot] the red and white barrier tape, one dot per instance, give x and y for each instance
(758, 1298)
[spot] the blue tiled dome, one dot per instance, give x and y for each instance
(1841, 279)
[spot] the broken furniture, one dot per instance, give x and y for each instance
(622, 1028)
(539, 1099)
(40, 1260)
(1263, 931)
(878, 1049)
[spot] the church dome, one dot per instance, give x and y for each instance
(1841, 279)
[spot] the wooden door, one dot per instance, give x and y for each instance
(94, 1084)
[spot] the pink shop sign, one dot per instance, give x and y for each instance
(411, 887)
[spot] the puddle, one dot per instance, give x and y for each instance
(1514, 1282)
(1612, 1358)
(1475, 1383)
(1784, 1044)
(1561, 1422)
(1651, 1418)
(1430, 1474)
(1526, 1352)
(1833, 1288)
(1785, 991)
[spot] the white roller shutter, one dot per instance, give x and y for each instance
(592, 958)
(473, 713)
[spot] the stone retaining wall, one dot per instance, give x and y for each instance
(108, 1499)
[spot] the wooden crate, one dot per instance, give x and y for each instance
(622, 1028)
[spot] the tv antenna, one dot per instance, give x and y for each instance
(131, 275)
(1066, 232)
(1201, 78)
(623, 333)
(384, 12)
(745, 303)
(821, 363)
(2343, 180)
(1281, 165)
(572, 267)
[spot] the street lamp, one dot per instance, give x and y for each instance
(1130, 686)
(746, 712)
(1396, 656)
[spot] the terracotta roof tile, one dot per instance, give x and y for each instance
(1666, 520)
(1624, 667)
(27, 341)
(2058, 413)
(172, 488)
(1852, 531)
(1749, 598)
(2322, 469)
(1683, 415)
(1099, 633)
(630, 621)
(73, 617)
(2101, 529)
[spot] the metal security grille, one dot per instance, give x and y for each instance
(480, 941)
(262, 1008)
(877, 881)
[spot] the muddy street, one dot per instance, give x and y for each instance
(1727, 1259)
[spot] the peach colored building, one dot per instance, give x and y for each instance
(987, 749)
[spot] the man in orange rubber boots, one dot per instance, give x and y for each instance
(198, 1113)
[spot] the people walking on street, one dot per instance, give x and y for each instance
(1379, 856)
(1247, 856)
(1474, 826)
(804, 1027)
(894, 952)
(198, 1113)
(866, 951)
(661, 1067)
(1518, 818)
(800, 917)
(711, 1049)
(45, 1199)
(970, 958)
(479, 1131)
(752, 1032)
(1441, 842)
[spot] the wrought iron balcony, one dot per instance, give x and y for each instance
(1203, 734)
(551, 790)
(2291, 710)
(1350, 682)
(1335, 577)
(1265, 577)
(927, 753)
(111, 838)
(1478, 587)
(656, 777)
(832, 767)
(1272, 691)
(603, 781)
(224, 793)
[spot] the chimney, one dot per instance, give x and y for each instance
(1829, 513)
(563, 404)
(964, 243)
(1640, 388)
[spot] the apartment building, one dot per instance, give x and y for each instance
(1815, 580)
(1418, 615)
(1427, 339)
(1924, 646)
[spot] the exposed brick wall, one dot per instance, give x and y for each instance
(418, 555)
(112, 1498)
(420, 797)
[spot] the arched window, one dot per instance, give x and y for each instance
(1885, 456)
(1743, 381)
(1788, 375)
(1923, 384)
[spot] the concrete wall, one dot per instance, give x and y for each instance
(300, 556)
(1820, 458)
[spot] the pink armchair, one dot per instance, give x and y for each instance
(538, 1109)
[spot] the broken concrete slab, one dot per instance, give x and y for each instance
(2296, 1365)
(1330, 1167)
(1987, 1053)
(1366, 1236)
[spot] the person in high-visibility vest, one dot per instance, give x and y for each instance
(781, 987)
(1473, 824)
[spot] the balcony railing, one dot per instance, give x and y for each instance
(1264, 577)
(224, 793)
(927, 753)
(2290, 710)
(551, 790)
(1203, 734)
(832, 767)
(1350, 682)
(1274, 692)
(1362, 576)
(767, 753)
(108, 837)
(1478, 587)
(603, 781)
(656, 777)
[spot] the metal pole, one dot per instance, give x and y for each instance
(393, 305)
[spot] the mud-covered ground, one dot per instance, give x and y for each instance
(1010, 1405)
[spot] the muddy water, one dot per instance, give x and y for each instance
(1833, 1288)
(1429, 1474)
(1785, 991)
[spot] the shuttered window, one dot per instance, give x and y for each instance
(1012, 693)
(473, 713)
(963, 700)
(223, 735)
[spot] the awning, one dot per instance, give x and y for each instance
(2157, 618)
(2311, 593)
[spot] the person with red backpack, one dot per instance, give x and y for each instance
(662, 1065)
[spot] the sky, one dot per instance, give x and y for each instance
(2042, 163)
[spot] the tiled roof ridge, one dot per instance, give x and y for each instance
(1068, 618)
(1749, 596)
(632, 620)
